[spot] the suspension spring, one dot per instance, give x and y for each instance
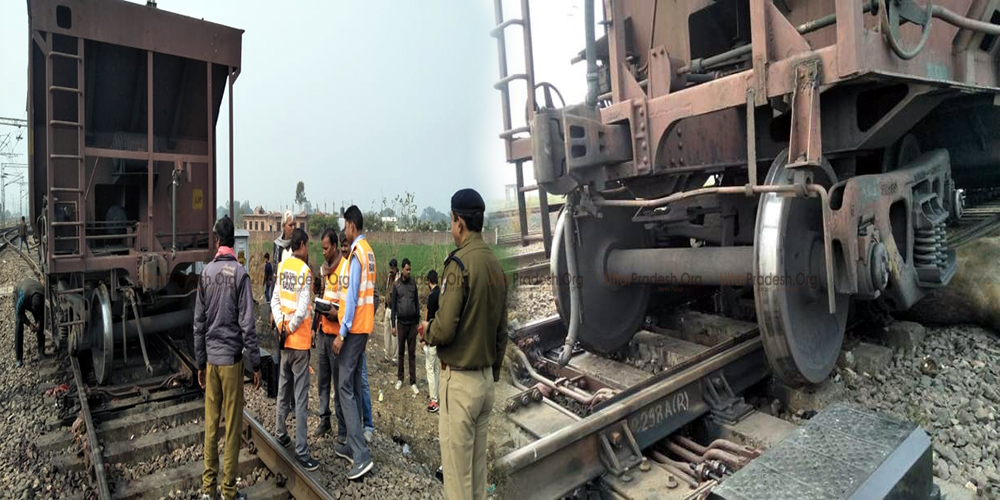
(930, 246)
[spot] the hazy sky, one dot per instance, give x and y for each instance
(359, 100)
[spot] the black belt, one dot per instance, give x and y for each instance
(445, 366)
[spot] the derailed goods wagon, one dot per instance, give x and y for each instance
(123, 101)
(804, 154)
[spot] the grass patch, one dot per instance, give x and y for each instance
(423, 258)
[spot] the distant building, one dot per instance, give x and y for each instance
(262, 223)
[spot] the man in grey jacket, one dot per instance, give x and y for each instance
(224, 332)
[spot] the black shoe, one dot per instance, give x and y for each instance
(360, 469)
(324, 427)
(20, 363)
(284, 441)
(344, 451)
(310, 464)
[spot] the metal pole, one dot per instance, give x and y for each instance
(232, 206)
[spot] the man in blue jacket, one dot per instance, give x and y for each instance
(224, 332)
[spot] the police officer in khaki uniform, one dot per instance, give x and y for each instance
(470, 333)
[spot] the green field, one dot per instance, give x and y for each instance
(423, 258)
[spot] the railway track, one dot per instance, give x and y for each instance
(130, 436)
(606, 419)
(667, 419)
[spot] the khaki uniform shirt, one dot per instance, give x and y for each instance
(475, 336)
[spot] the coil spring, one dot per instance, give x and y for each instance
(930, 248)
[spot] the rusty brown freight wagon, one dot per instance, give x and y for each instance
(123, 101)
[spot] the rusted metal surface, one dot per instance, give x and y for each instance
(132, 25)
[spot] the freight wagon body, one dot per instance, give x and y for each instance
(805, 154)
(123, 102)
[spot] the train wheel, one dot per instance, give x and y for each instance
(611, 313)
(801, 338)
(101, 334)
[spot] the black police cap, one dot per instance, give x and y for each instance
(467, 201)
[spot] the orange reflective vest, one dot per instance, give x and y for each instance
(364, 313)
(331, 294)
(294, 275)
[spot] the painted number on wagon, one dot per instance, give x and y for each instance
(660, 411)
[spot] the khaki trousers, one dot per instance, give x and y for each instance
(223, 397)
(465, 405)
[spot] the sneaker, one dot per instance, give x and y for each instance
(341, 440)
(360, 469)
(284, 441)
(324, 427)
(205, 496)
(343, 451)
(414, 389)
(20, 363)
(368, 436)
(432, 407)
(399, 383)
(310, 464)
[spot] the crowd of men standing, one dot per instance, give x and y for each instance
(463, 335)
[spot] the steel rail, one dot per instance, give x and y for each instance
(299, 483)
(95, 449)
(571, 456)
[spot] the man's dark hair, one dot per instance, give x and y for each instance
(22, 218)
(473, 220)
(332, 236)
(432, 276)
(353, 215)
(37, 303)
(225, 231)
(343, 236)
(406, 262)
(299, 238)
(267, 256)
(392, 262)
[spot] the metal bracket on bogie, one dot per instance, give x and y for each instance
(724, 404)
(804, 141)
(523, 399)
(620, 452)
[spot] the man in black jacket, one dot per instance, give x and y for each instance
(405, 317)
(224, 307)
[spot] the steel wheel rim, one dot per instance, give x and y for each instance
(801, 338)
(101, 334)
